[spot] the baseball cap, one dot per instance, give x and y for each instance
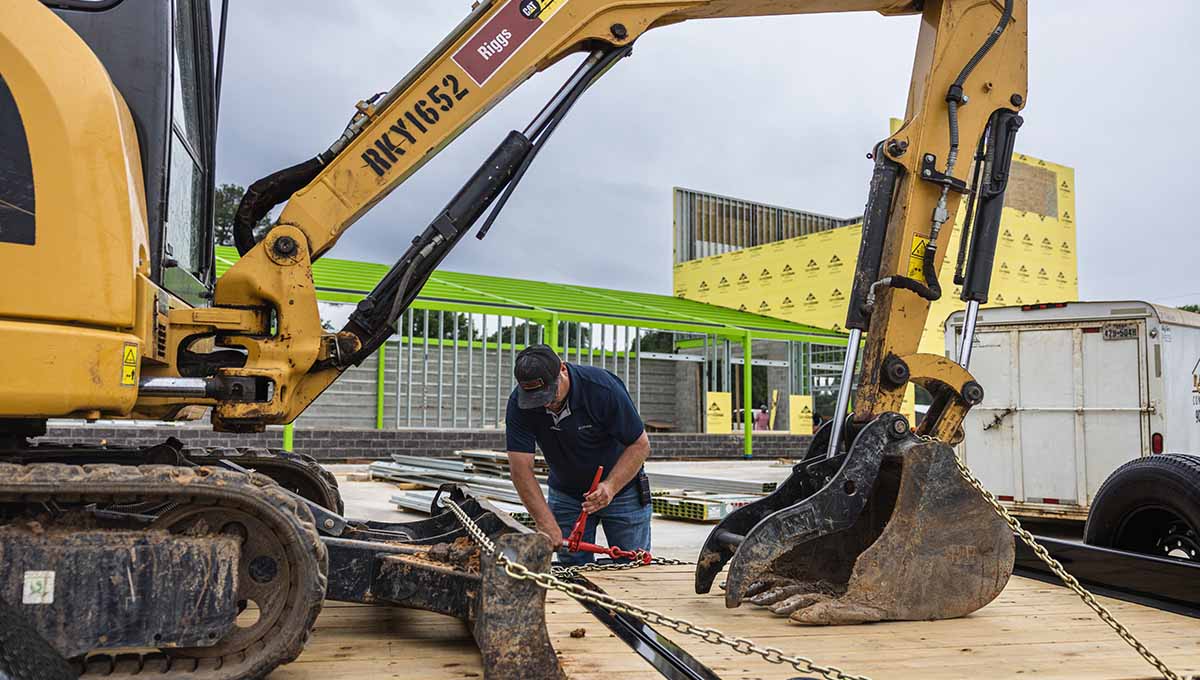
(537, 376)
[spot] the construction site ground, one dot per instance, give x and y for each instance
(1033, 629)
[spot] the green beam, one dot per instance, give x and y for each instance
(551, 333)
(380, 385)
(289, 436)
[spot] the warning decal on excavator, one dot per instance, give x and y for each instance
(499, 39)
(129, 364)
(916, 258)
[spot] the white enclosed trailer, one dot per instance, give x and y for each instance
(1073, 391)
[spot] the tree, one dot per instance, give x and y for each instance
(225, 207)
(654, 341)
(1191, 308)
(574, 335)
(441, 325)
(523, 331)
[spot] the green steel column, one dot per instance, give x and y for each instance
(552, 332)
(380, 379)
(747, 396)
(289, 432)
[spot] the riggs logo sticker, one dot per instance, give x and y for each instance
(499, 39)
(496, 45)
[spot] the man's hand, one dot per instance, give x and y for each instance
(598, 499)
(554, 532)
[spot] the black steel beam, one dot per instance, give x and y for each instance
(669, 659)
(1170, 585)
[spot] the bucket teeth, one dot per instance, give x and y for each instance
(774, 594)
(827, 611)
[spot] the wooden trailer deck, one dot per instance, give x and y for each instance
(1032, 630)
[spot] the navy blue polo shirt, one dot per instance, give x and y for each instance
(602, 423)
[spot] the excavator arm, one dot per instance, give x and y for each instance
(266, 303)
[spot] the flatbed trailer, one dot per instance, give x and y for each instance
(1033, 629)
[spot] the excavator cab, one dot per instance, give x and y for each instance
(160, 56)
(108, 122)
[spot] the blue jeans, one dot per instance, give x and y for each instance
(626, 523)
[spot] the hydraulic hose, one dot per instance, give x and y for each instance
(268, 192)
(954, 98)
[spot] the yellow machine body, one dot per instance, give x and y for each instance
(73, 302)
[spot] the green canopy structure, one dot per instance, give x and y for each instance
(349, 281)
(549, 305)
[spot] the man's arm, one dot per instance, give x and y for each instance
(521, 468)
(631, 460)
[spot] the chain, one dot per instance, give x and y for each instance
(583, 594)
(745, 646)
(571, 572)
(477, 535)
(1055, 566)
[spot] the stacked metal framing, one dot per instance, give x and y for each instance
(710, 224)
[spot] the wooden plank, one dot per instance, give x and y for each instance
(1032, 629)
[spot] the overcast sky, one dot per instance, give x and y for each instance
(780, 110)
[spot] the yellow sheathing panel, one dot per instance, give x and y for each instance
(808, 279)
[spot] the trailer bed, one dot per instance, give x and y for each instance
(1032, 630)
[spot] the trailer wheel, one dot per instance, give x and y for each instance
(1150, 506)
(25, 655)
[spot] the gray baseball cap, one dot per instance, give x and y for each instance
(537, 373)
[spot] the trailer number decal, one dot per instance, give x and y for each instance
(499, 39)
(39, 588)
(1120, 331)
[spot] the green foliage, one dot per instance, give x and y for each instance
(654, 341)
(227, 198)
(441, 325)
(1191, 308)
(575, 335)
(526, 334)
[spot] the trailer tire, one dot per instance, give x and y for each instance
(24, 654)
(1151, 506)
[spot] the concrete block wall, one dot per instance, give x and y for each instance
(330, 445)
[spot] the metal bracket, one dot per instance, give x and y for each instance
(930, 173)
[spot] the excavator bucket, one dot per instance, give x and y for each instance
(886, 531)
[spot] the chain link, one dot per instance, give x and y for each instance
(571, 572)
(579, 592)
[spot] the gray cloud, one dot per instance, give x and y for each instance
(773, 109)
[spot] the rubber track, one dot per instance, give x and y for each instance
(319, 485)
(24, 655)
(266, 460)
(253, 493)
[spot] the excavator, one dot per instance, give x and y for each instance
(169, 561)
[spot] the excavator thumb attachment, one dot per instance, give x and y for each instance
(887, 531)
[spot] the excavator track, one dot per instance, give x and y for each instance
(281, 570)
(295, 472)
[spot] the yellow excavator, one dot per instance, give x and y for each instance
(167, 561)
